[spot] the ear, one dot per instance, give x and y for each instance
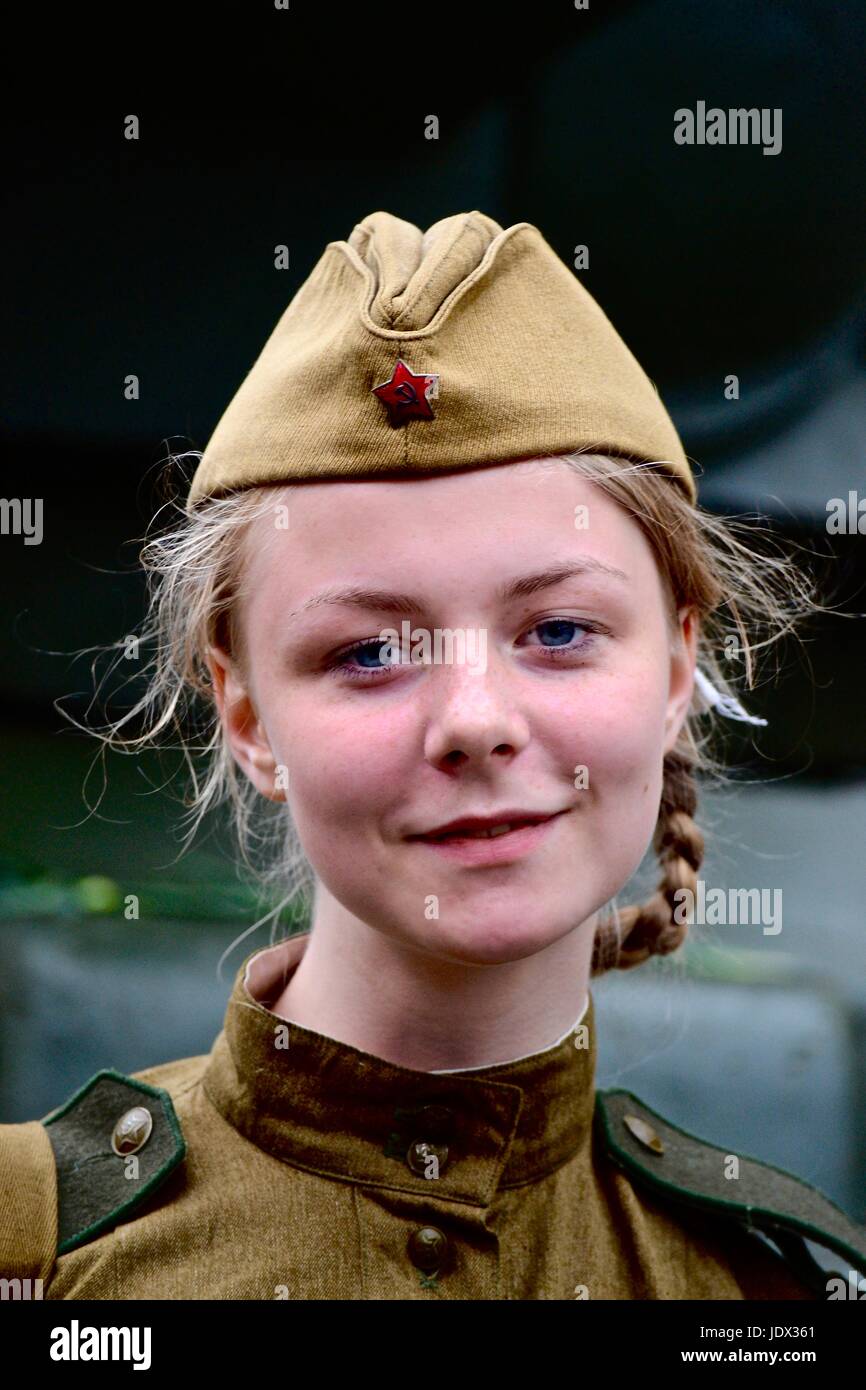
(682, 674)
(242, 727)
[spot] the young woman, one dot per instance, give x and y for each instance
(442, 593)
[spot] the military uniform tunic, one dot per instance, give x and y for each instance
(303, 1168)
(314, 1170)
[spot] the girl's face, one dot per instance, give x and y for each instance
(573, 682)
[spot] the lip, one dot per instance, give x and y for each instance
(499, 850)
(511, 813)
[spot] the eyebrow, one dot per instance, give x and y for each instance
(409, 605)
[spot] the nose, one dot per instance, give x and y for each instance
(473, 717)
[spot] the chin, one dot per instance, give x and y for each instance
(490, 940)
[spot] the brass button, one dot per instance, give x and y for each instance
(419, 1154)
(132, 1131)
(428, 1247)
(644, 1133)
(437, 1121)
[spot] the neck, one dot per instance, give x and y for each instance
(397, 1002)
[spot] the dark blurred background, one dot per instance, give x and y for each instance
(156, 257)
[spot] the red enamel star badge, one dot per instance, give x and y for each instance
(406, 394)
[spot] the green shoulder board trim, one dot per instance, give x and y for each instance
(682, 1168)
(97, 1187)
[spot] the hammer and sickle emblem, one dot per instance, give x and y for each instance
(407, 393)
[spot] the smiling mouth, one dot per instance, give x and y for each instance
(491, 833)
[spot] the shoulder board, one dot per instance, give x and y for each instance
(115, 1141)
(681, 1168)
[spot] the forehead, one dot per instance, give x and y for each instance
(472, 527)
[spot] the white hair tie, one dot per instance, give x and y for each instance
(724, 704)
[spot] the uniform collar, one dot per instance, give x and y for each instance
(330, 1108)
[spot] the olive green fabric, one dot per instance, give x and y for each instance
(95, 1185)
(712, 1178)
(304, 1178)
(514, 358)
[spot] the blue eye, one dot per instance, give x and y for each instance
(373, 647)
(563, 645)
(558, 623)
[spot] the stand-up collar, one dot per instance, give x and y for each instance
(330, 1108)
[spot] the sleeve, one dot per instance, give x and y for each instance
(28, 1202)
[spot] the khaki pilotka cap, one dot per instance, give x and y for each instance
(458, 347)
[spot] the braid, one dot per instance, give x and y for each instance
(648, 929)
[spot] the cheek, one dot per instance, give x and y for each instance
(342, 769)
(617, 733)
(615, 728)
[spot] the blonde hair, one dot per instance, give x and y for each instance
(745, 600)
